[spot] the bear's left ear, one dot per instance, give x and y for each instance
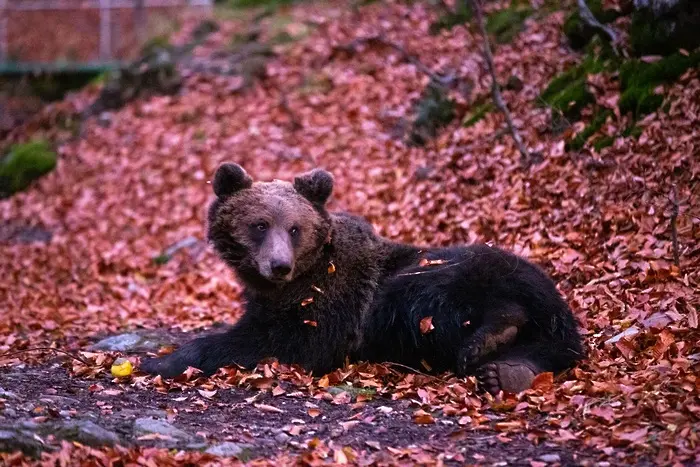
(316, 186)
(229, 179)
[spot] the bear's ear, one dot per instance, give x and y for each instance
(229, 179)
(316, 186)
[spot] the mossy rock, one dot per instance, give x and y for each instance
(568, 91)
(578, 32)
(596, 124)
(639, 80)
(434, 111)
(24, 164)
(508, 23)
(447, 21)
(663, 29)
(477, 114)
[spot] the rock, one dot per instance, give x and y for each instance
(131, 342)
(8, 395)
(16, 439)
(146, 426)
(120, 343)
(84, 432)
(282, 437)
(550, 458)
(228, 449)
(629, 332)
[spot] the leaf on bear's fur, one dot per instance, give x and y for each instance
(331, 267)
(431, 262)
(307, 301)
(310, 322)
(426, 325)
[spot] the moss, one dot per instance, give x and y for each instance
(434, 111)
(633, 131)
(639, 80)
(508, 23)
(596, 124)
(24, 164)
(568, 91)
(603, 142)
(477, 114)
(448, 20)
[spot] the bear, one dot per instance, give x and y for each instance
(321, 288)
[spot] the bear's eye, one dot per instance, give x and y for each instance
(261, 226)
(294, 231)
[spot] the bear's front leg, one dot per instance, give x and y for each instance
(239, 346)
(499, 330)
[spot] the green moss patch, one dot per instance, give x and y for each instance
(448, 20)
(434, 111)
(568, 92)
(508, 23)
(639, 80)
(24, 164)
(593, 127)
(477, 114)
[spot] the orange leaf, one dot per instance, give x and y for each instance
(426, 325)
(543, 381)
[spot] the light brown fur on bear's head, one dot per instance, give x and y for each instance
(269, 232)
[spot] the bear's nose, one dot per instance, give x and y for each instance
(280, 268)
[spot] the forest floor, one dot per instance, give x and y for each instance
(111, 243)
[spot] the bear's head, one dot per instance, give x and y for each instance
(269, 232)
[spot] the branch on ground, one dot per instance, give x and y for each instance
(589, 18)
(525, 158)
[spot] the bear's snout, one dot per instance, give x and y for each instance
(277, 261)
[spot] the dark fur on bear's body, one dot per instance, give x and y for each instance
(322, 287)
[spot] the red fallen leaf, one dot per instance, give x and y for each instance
(565, 435)
(604, 412)
(693, 318)
(278, 391)
(206, 394)
(426, 325)
(431, 262)
(664, 340)
(624, 438)
(331, 267)
(424, 419)
(313, 413)
(310, 322)
(543, 382)
(307, 301)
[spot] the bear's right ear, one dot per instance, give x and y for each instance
(229, 179)
(316, 186)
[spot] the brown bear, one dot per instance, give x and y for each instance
(321, 287)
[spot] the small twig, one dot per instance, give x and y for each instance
(589, 18)
(413, 370)
(46, 349)
(674, 229)
(525, 158)
(378, 39)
